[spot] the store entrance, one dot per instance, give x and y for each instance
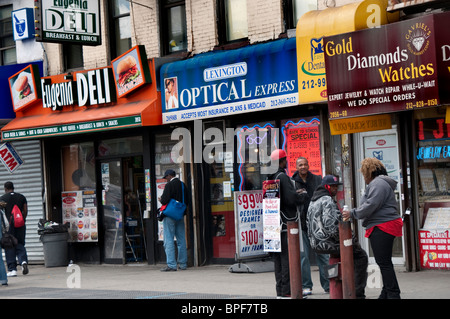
(123, 194)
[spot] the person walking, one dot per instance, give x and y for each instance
(3, 276)
(380, 217)
(323, 230)
(174, 228)
(305, 181)
(289, 200)
(12, 199)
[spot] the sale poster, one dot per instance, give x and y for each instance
(302, 139)
(80, 211)
(248, 212)
(434, 249)
(271, 216)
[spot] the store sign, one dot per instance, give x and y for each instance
(73, 128)
(131, 71)
(360, 124)
(271, 216)
(432, 129)
(23, 24)
(92, 87)
(25, 87)
(74, 21)
(388, 69)
(9, 157)
(254, 78)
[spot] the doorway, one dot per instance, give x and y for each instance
(384, 146)
(122, 198)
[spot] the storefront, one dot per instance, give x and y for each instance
(97, 129)
(392, 98)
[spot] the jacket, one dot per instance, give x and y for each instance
(322, 222)
(289, 198)
(378, 204)
(311, 184)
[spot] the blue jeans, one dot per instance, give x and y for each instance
(175, 229)
(18, 251)
(3, 278)
(322, 262)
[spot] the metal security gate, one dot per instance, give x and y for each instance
(28, 180)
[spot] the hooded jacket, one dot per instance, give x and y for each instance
(378, 204)
(322, 222)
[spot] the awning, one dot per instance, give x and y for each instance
(314, 25)
(46, 123)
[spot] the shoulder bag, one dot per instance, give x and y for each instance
(174, 208)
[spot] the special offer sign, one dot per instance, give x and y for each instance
(248, 212)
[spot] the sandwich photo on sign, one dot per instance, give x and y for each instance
(131, 70)
(23, 87)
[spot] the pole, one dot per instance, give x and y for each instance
(295, 272)
(346, 247)
(335, 279)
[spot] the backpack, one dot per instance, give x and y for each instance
(19, 221)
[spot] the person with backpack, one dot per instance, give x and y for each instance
(16, 210)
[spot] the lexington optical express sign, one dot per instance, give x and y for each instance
(254, 78)
(398, 67)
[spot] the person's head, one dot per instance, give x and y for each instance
(169, 174)
(280, 156)
(331, 183)
(9, 187)
(169, 84)
(302, 166)
(371, 168)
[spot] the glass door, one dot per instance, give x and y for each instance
(112, 202)
(382, 145)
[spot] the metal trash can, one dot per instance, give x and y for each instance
(55, 249)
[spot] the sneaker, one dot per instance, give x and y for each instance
(25, 268)
(12, 273)
(307, 292)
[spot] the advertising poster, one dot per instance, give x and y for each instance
(271, 216)
(434, 249)
(248, 213)
(160, 184)
(302, 139)
(80, 211)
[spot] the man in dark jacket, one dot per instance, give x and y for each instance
(11, 199)
(305, 181)
(323, 230)
(289, 200)
(174, 228)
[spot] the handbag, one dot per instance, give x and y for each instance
(174, 208)
(8, 241)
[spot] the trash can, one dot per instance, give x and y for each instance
(54, 239)
(55, 249)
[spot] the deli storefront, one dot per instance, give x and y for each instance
(96, 131)
(397, 76)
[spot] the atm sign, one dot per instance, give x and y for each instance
(9, 157)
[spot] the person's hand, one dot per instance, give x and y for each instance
(346, 214)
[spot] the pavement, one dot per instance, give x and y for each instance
(143, 281)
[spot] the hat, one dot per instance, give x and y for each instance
(170, 172)
(277, 155)
(330, 180)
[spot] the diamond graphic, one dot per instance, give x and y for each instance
(418, 42)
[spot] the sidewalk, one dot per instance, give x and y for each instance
(143, 281)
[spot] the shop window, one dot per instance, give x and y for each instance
(173, 25)
(433, 158)
(255, 142)
(119, 146)
(232, 20)
(7, 44)
(78, 161)
(294, 9)
(120, 27)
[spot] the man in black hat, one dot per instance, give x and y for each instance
(174, 228)
(323, 229)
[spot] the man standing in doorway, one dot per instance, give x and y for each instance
(174, 228)
(11, 199)
(305, 181)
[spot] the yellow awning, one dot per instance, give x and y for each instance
(314, 25)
